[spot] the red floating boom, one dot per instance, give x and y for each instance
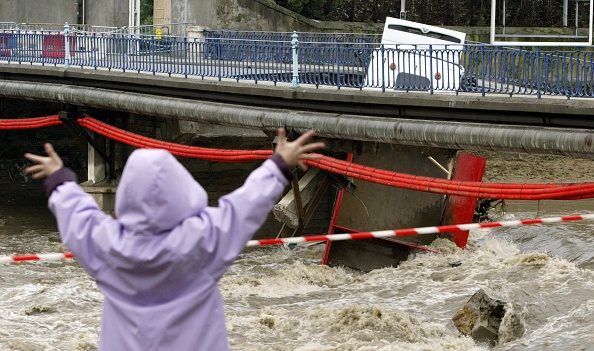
(510, 191)
(29, 123)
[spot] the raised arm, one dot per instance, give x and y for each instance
(76, 212)
(242, 212)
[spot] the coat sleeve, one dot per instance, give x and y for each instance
(239, 215)
(78, 216)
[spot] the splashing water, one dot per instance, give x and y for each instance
(281, 299)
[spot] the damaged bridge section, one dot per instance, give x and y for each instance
(397, 136)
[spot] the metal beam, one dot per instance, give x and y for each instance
(68, 115)
(565, 12)
(443, 134)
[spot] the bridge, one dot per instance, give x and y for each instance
(505, 99)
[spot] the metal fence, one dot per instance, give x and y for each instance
(8, 25)
(159, 30)
(224, 44)
(319, 61)
(53, 27)
(310, 37)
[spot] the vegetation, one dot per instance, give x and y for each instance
(146, 12)
(522, 13)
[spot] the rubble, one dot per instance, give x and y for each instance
(488, 317)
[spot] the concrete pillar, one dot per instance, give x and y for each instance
(96, 170)
(162, 11)
(195, 36)
(97, 185)
(106, 13)
(196, 32)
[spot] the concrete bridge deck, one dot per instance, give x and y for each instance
(551, 111)
(447, 120)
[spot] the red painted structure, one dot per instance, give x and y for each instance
(460, 209)
(457, 209)
(54, 45)
(8, 42)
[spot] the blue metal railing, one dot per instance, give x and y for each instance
(224, 44)
(320, 60)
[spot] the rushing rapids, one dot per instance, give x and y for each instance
(283, 299)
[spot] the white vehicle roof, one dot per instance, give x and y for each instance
(397, 31)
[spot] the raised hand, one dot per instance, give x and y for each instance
(296, 152)
(45, 165)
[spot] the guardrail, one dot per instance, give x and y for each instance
(255, 56)
(312, 37)
(54, 27)
(8, 25)
(159, 30)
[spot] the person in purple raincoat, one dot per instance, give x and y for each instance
(159, 262)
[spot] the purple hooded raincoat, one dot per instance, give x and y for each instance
(159, 262)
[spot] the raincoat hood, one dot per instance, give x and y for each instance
(159, 262)
(156, 193)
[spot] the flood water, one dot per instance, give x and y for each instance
(283, 299)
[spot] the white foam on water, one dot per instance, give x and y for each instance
(281, 299)
(48, 306)
(573, 330)
(427, 287)
(349, 327)
(295, 278)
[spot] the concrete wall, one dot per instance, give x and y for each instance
(162, 11)
(374, 207)
(38, 11)
(106, 13)
(97, 12)
(250, 15)
(266, 15)
(365, 208)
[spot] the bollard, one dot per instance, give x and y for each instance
(294, 44)
(66, 46)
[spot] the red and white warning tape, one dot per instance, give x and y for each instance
(417, 231)
(353, 236)
(36, 257)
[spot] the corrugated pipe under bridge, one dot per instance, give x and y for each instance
(454, 135)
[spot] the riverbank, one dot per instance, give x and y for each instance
(525, 168)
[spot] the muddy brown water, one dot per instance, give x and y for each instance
(283, 299)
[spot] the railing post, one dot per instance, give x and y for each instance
(338, 83)
(255, 66)
(538, 78)
(66, 46)
(483, 70)
(219, 58)
(294, 44)
(122, 47)
(186, 51)
(430, 67)
(97, 45)
(383, 63)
